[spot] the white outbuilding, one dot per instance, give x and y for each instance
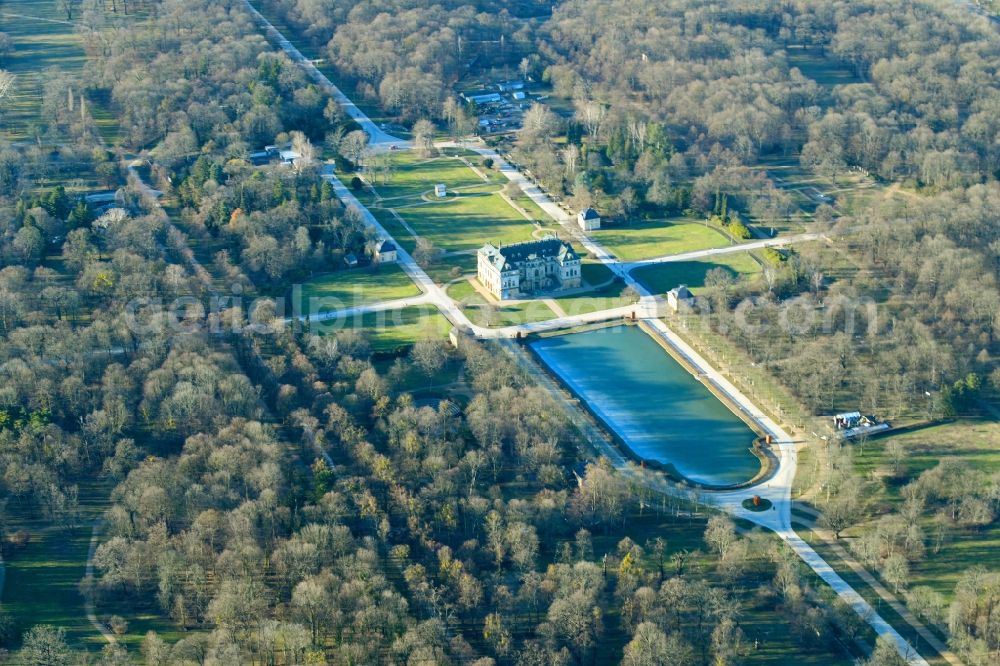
(589, 219)
(680, 296)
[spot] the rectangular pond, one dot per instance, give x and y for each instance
(653, 404)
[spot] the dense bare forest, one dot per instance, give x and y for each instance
(285, 498)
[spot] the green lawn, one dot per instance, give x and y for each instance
(826, 71)
(358, 286)
(973, 441)
(38, 46)
(445, 270)
(534, 210)
(394, 329)
(525, 312)
(644, 240)
(661, 278)
(44, 41)
(463, 292)
(608, 292)
(509, 314)
(415, 175)
(468, 221)
(473, 213)
(42, 582)
(42, 579)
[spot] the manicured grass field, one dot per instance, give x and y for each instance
(645, 240)
(358, 286)
(509, 314)
(534, 210)
(416, 175)
(444, 270)
(525, 312)
(473, 213)
(468, 221)
(661, 278)
(608, 292)
(395, 329)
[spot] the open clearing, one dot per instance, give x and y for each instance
(357, 286)
(43, 577)
(484, 313)
(393, 329)
(468, 221)
(472, 213)
(43, 41)
(661, 278)
(972, 441)
(38, 46)
(645, 240)
(414, 175)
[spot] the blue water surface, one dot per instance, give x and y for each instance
(657, 407)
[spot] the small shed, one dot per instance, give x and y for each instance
(440, 190)
(678, 296)
(351, 260)
(589, 219)
(385, 252)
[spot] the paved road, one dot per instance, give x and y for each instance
(777, 488)
(893, 602)
(437, 296)
(780, 241)
(378, 138)
(382, 306)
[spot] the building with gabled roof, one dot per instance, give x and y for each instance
(679, 296)
(384, 252)
(513, 271)
(589, 219)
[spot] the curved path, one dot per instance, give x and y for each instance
(777, 488)
(89, 608)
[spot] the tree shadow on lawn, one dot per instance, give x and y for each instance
(662, 278)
